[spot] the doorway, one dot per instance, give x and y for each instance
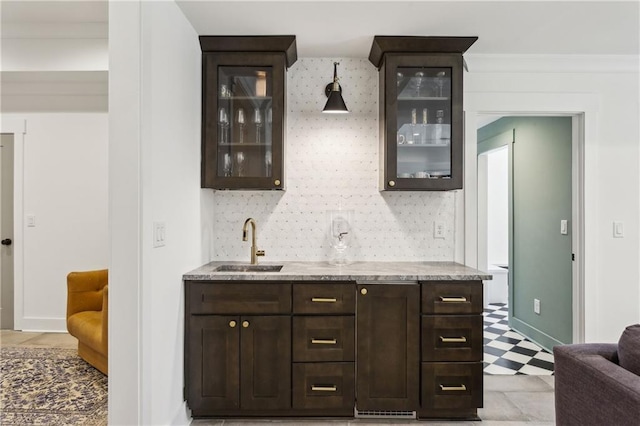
(541, 212)
(6, 232)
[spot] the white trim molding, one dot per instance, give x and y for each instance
(480, 63)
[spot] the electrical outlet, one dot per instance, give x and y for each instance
(159, 234)
(536, 306)
(438, 230)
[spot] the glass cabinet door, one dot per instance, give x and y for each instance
(423, 123)
(245, 122)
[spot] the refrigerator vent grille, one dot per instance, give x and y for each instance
(384, 414)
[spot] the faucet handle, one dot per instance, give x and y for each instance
(259, 252)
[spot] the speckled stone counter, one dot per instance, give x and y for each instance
(357, 271)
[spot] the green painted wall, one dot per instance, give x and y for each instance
(540, 264)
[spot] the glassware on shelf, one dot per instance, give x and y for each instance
(228, 168)
(223, 126)
(425, 131)
(240, 163)
(224, 91)
(440, 79)
(414, 130)
(439, 127)
(419, 80)
(267, 164)
(399, 77)
(240, 119)
(257, 120)
(269, 119)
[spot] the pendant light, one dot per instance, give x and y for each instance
(335, 103)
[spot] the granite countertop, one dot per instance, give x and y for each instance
(356, 271)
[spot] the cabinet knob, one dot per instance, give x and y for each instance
(392, 183)
(276, 182)
(232, 324)
(363, 291)
(245, 324)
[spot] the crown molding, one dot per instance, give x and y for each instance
(480, 63)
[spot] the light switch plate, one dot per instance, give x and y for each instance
(618, 230)
(564, 227)
(31, 220)
(159, 234)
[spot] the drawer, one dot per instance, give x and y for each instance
(329, 385)
(452, 337)
(324, 338)
(239, 298)
(451, 386)
(324, 298)
(452, 297)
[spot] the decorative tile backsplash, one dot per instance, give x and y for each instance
(332, 164)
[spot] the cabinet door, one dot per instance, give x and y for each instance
(265, 362)
(213, 368)
(422, 121)
(388, 347)
(243, 120)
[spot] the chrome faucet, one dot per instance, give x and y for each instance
(254, 249)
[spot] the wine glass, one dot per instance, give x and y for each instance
(267, 164)
(439, 79)
(240, 163)
(241, 122)
(223, 125)
(419, 79)
(227, 165)
(257, 120)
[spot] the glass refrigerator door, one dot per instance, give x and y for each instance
(424, 106)
(244, 121)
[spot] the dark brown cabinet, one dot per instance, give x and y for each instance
(244, 109)
(238, 364)
(306, 349)
(421, 128)
(388, 348)
(451, 361)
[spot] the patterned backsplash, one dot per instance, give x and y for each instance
(332, 164)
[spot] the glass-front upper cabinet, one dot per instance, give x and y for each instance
(243, 127)
(420, 111)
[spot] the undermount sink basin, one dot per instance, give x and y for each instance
(248, 268)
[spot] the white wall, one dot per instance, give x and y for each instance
(164, 89)
(609, 101)
(65, 187)
(331, 164)
(498, 207)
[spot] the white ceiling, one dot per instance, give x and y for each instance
(346, 28)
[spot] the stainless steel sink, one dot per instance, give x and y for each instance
(248, 268)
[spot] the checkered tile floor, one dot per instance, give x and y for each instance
(506, 351)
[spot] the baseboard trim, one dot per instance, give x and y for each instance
(537, 336)
(55, 325)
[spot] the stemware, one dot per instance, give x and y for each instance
(257, 120)
(227, 165)
(240, 164)
(241, 122)
(223, 125)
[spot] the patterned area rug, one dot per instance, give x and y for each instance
(50, 387)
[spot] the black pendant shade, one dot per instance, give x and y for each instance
(335, 104)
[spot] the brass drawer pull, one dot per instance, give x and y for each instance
(318, 388)
(453, 299)
(453, 388)
(460, 339)
(324, 299)
(324, 341)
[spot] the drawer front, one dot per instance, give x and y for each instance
(324, 298)
(450, 386)
(452, 338)
(324, 386)
(240, 298)
(452, 297)
(330, 338)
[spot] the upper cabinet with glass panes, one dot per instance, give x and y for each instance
(244, 106)
(420, 111)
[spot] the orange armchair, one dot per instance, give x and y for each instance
(88, 315)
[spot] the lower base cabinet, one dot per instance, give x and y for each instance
(326, 349)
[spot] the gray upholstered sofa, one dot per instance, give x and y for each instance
(599, 384)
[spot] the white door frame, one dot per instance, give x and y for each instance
(583, 107)
(18, 127)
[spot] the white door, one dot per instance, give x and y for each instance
(6, 231)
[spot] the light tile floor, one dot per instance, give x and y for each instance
(518, 400)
